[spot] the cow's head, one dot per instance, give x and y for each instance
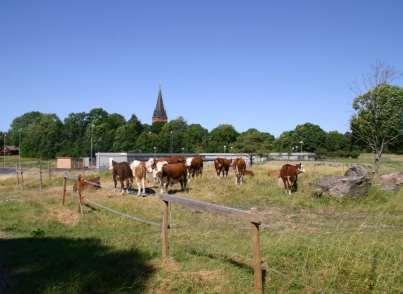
(112, 163)
(300, 168)
(150, 165)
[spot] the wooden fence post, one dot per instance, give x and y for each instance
(164, 231)
(257, 258)
(18, 176)
(49, 170)
(64, 188)
(40, 174)
(22, 178)
(79, 196)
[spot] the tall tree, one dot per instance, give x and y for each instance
(378, 118)
(102, 128)
(312, 137)
(40, 132)
(195, 138)
(254, 142)
(172, 136)
(74, 135)
(127, 134)
(223, 135)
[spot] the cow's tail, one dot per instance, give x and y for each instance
(249, 173)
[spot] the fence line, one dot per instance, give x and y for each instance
(123, 214)
(82, 201)
(250, 216)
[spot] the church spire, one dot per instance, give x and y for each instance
(160, 114)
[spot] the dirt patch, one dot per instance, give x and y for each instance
(205, 276)
(65, 216)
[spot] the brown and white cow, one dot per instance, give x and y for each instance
(140, 173)
(172, 173)
(239, 166)
(123, 172)
(289, 175)
(222, 166)
(154, 165)
(194, 166)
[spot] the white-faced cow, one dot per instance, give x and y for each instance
(194, 166)
(154, 165)
(289, 175)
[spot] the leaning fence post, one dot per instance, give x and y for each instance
(164, 231)
(257, 258)
(79, 196)
(64, 187)
(49, 170)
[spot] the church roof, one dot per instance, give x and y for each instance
(159, 111)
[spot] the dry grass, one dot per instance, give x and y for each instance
(310, 244)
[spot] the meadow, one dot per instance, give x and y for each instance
(309, 244)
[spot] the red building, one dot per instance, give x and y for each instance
(10, 150)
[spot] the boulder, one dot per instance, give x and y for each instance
(391, 182)
(354, 183)
(356, 171)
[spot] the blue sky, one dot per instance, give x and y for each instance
(265, 64)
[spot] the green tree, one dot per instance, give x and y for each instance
(223, 135)
(74, 135)
(40, 133)
(286, 141)
(195, 138)
(127, 134)
(378, 119)
(312, 136)
(336, 141)
(254, 142)
(146, 142)
(102, 127)
(173, 133)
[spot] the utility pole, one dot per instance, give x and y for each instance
(4, 150)
(172, 140)
(91, 127)
(19, 149)
(301, 142)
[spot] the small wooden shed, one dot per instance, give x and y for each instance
(72, 162)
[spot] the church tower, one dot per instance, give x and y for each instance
(159, 114)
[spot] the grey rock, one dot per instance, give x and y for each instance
(391, 182)
(355, 183)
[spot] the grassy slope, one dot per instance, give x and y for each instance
(309, 244)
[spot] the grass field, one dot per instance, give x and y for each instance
(310, 244)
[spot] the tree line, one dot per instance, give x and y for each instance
(44, 134)
(376, 126)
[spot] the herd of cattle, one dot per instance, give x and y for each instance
(176, 169)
